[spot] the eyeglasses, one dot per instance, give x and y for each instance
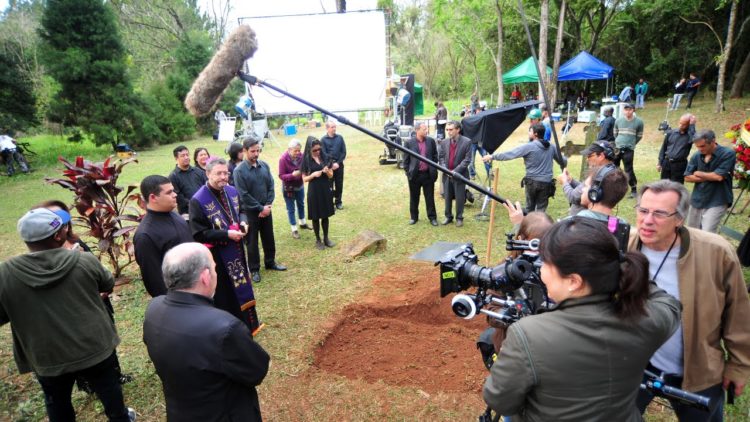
(658, 214)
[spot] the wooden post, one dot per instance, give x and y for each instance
(496, 174)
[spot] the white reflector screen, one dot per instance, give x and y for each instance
(335, 60)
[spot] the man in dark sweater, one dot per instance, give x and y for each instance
(675, 150)
(254, 183)
(186, 179)
(335, 149)
(61, 328)
(206, 359)
(606, 128)
(159, 231)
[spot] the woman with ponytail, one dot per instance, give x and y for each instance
(583, 359)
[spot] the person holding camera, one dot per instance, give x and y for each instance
(537, 157)
(583, 359)
(216, 220)
(317, 172)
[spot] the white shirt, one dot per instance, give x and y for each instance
(6, 142)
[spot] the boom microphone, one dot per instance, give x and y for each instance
(215, 78)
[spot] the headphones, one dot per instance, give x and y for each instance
(608, 152)
(595, 191)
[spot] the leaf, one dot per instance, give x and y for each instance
(123, 231)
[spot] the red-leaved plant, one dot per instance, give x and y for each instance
(103, 207)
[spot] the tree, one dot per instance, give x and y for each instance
(543, 39)
(724, 58)
(558, 50)
(85, 55)
(17, 102)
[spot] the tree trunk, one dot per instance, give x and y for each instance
(556, 64)
(740, 78)
(543, 25)
(499, 59)
(725, 58)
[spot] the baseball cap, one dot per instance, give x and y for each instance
(535, 114)
(596, 148)
(41, 223)
(628, 105)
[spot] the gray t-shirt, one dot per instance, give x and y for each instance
(536, 157)
(669, 357)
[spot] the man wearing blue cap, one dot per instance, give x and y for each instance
(61, 329)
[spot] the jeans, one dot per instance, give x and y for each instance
(690, 95)
(676, 101)
(626, 156)
(297, 198)
(639, 100)
(12, 154)
(104, 379)
(482, 152)
(706, 219)
(685, 413)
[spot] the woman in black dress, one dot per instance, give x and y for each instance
(316, 173)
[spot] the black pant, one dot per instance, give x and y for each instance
(626, 156)
(453, 189)
(537, 195)
(690, 96)
(264, 227)
(13, 154)
(441, 130)
(686, 413)
(337, 184)
(422, 180)
(103, 378)
(674, 170)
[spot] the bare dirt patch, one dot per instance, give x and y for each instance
(402, 333)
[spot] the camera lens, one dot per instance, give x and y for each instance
(464, 306)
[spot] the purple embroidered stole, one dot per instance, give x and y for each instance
(232, 255)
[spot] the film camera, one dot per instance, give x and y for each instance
(514, 287)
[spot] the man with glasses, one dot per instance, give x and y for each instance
(700, 269)
(710, 168)
(216, 220)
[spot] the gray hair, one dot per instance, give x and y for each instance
(666, 185)
(184, 264)
(213, 162)
(707, 135)
(294, 143)
(419, 125)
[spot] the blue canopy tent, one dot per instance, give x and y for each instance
(584, 67)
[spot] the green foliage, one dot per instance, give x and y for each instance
(103, 207)
(85, 55)
(17, 101)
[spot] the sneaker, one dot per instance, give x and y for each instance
(295, 234)
(319, 245)
(131, 414)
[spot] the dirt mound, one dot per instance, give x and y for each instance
(403, 333)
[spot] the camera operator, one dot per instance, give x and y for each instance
(583, 359)
(710, 351)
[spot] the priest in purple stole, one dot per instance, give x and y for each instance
(216, 221)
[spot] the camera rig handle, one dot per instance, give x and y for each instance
(655, 385)
(252, 80)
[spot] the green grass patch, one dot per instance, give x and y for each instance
(298, 305)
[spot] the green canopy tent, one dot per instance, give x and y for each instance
(524, 72)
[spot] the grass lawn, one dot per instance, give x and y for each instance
(298, 305)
